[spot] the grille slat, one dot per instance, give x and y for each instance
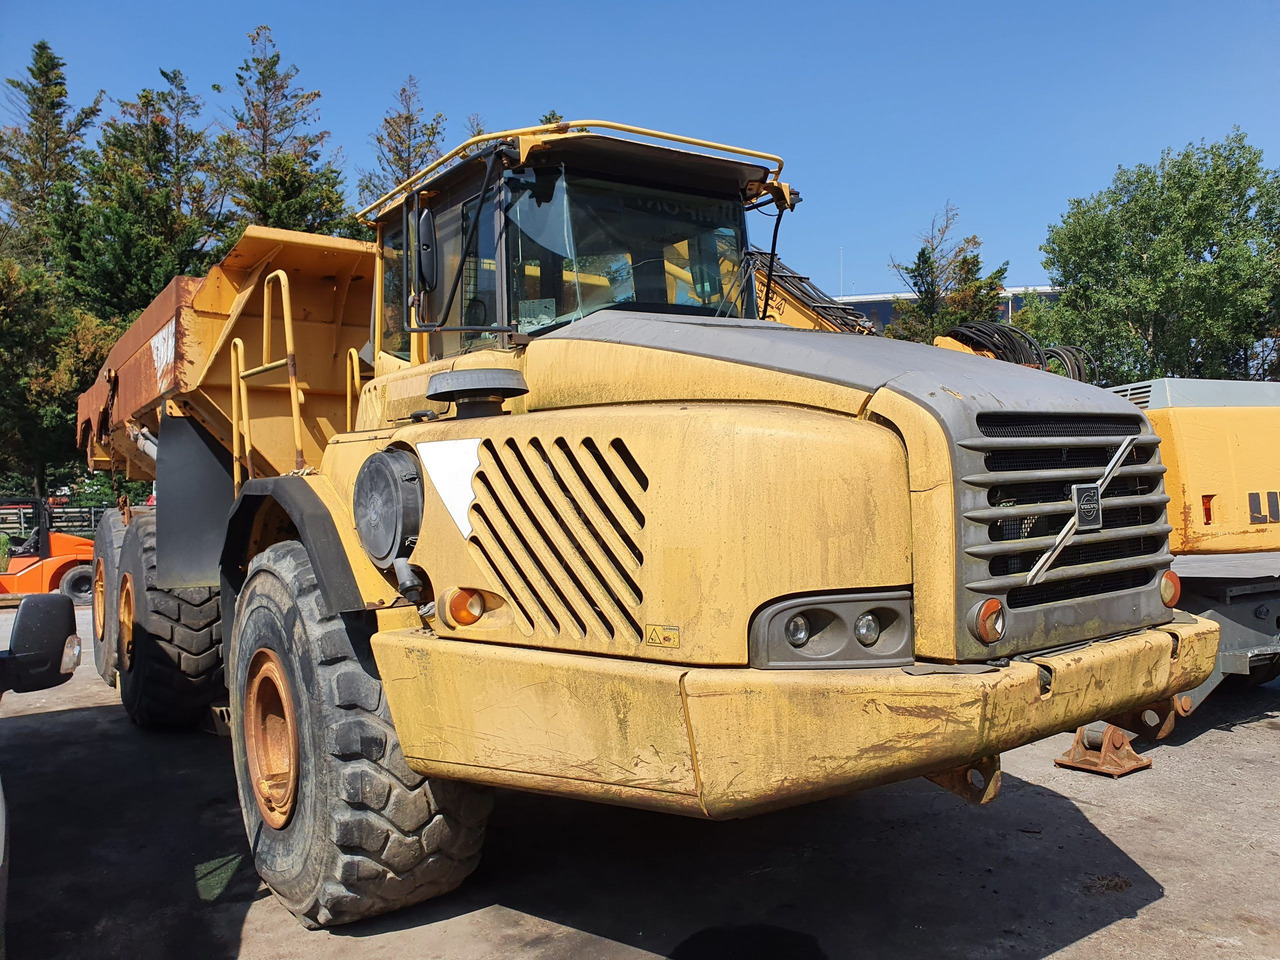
(1041, 544)
(996, 585)
(995, 514)
(556, 522)
(1021, 443)
(1052, 425)
(1085, 474)
(1025, 467)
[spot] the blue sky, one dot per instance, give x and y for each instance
(883, 111)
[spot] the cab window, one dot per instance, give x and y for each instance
(395, 339)
(476, 302)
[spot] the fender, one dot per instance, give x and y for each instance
(315, 528)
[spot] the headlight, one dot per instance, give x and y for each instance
(387, 505)
(867, 629)
(850, 629)
(798, 630)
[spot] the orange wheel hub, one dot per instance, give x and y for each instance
(271, 738)
(99, 599)
(125, 614)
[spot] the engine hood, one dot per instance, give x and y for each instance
(941, 380)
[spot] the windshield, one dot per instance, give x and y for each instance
(578, 244)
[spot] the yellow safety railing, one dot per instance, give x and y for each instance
(240, 391)
(239, 407)
(353, 385)
(561, 128)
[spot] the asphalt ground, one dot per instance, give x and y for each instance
(130, 845)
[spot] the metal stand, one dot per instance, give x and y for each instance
(1102, 748)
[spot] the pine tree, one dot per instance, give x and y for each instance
(278, 172)
(39, 152)
(405, 143)
(154, 204)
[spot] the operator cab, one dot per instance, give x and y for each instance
(559, 227)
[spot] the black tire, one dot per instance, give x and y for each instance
(106, 624)
(1259, 673)
(77, 583)
(171, 672)
(367, 834)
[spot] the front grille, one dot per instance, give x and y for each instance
(557, 523)
(1020, 471)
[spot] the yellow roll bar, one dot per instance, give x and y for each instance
(562, 128)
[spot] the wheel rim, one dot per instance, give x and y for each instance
(270, 738)
(126, 623)
(99, 599)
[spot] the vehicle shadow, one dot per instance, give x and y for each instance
(901, 871)
(122, 843)
(130, 845)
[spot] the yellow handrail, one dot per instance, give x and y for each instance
(239, 410)
(566, 127)
(240, 391)
(353, 380)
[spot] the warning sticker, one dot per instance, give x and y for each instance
(656, 635)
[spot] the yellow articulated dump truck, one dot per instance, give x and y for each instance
(524, 495)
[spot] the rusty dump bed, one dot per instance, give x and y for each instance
(178, 352)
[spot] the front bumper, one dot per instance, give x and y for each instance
(719, 742)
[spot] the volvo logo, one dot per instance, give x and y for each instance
(1087, 498)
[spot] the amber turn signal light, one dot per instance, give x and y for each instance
(1170, 588)
(466, 607)
(989, 621)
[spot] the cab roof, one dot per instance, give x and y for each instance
(747, 173)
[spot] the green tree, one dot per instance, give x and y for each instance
(405, 142)
(39, 152)
(52, 353)
(1173, 269)
(280, 176)
(948, 284)
(154, 204)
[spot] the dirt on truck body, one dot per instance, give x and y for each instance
(526, 494)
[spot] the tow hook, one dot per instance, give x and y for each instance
(977, 782)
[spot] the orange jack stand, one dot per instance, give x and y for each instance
(1104, 750)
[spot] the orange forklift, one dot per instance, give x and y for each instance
(48, 560)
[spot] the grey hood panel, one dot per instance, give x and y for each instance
(933, 377)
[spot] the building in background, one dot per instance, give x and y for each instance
(879, 309)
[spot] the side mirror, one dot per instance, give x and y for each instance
(43, 649)
(425, 254)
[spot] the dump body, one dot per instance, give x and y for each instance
(176, 358)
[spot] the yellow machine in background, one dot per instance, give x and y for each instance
(1219, 442)
(525, 494)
